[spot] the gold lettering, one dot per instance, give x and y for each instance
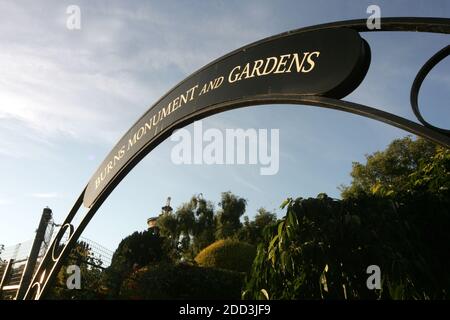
(298, 64)
(235, 76)
(218, 82)
(102, 177)
(148, 125)
(275, 61)
(183, 99)
(159, 117)
(210, 85)
(140, 133)
(282, 63)
(132, 141)
(110, 166)
(245, 71)
(192, 91)
(256, 67)
(311, 61)
(122, 151)
(205, 86)
(176, 103)
(116, 158)
(165, 112)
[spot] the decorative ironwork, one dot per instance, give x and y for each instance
(55, 256)
(423, 72)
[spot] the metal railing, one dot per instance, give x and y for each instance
(14, 259)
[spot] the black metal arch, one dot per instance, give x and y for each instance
(423, 72)
(52, 261)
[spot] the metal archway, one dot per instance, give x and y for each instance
(345, 71)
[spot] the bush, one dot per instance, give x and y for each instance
(227, 254)
(322, 248)
(134, 252)
(182, 281)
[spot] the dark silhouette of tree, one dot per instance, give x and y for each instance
(135, 251)
(228, 218)
(252, 231)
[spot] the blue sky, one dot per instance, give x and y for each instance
(66, 97)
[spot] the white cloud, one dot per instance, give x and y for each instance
(45, 195)
(92, 84)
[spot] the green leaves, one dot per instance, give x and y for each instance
(286, 202)
(398, 169)
(323, 281)
(265, 294)
(322, 247)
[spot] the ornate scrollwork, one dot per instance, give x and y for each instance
(421, 75)
(57, 246)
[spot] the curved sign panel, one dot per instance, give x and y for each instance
(327, 63)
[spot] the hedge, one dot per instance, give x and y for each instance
(227, 254)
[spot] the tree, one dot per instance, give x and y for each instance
(228, 218)
(252, 231)
(395, 214)
(390, 170)
(204, 230)
(91, 273)
(433, 176)
(191, 227)
(186, 225)
(135, 251)
(168, 228)
(322, 247)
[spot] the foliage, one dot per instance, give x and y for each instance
(190, 228)
(136, 251)
(395, 214)
(321, 249)
(433, 176)
(182, 281)
(252, 231)
(228, 218)
(195, 225)
(205, 226)
(182, 235)
(227, 254)
(91, 276)
(388, 172)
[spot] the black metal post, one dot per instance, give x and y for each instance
(34, 253)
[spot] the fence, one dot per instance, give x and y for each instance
(14, 259)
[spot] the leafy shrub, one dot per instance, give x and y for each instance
(182, 281)
(134, 252)
(227, 254)
(322, 248)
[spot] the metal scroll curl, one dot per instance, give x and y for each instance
(325, 97)
(421, 75)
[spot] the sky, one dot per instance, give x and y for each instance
(67, 96)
